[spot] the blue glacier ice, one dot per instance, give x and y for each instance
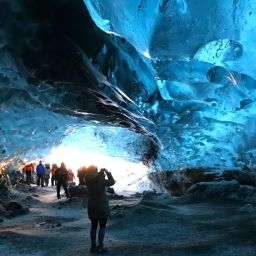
(179, 72)
(201, 54)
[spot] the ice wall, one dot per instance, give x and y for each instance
(201, 54)
(49, 87)
(179, 72)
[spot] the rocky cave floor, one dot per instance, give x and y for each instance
(146, 224)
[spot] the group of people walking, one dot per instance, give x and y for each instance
(44, 174)
(96, 181)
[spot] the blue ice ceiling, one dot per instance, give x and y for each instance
(197, 80)
(180, 74)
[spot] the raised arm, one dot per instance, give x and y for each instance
(110, 181)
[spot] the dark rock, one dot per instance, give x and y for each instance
(29, 199)
(78, 191)
(243, 177)
(110, 190)
(15, 208)
(118, 214)
(148, 194)
(224, 189)
(24, 187)
(3, 185)
(248, 208)
(42, 223)
(137, 194)
(115, 196)
(2, 211)
(213, 189)
(178, 182)
(117, 206)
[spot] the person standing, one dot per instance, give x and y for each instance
(61, 176)
(47, 174)
(29, 169)
(71, 176)
(40, 171)
(80, 174)
(98, 205)
(53, 170)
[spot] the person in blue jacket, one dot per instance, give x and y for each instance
(40, 171)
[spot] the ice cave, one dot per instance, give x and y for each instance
(161, 93)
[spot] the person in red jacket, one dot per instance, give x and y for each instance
(71, 176)
(29, 169)
(53, 170)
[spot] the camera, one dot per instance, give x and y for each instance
(102, 172)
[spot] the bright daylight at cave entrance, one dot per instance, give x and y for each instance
(127, 127)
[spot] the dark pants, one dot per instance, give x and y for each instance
(46, 180)
(102, 222)
(53, 180)
(101, 233)
(28, 177)
(64, 184)
(40, 180)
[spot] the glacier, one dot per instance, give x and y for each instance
(179, 73)
(159, 92)
(201, 56)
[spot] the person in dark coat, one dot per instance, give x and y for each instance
(80, 174)
(61, 176)
(98, 205)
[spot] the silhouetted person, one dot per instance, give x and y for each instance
(40, 171)
(29, 169)
(61, 176)
(98, 206)
(47, 174)
(53, 170)
(80, 174)
(71, 176)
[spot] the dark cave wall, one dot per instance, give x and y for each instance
(49, 44)
(40, 33)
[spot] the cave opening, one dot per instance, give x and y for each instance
(118, 150)
(155, 91)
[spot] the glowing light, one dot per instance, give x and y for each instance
(146, 54)
(129, 176)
